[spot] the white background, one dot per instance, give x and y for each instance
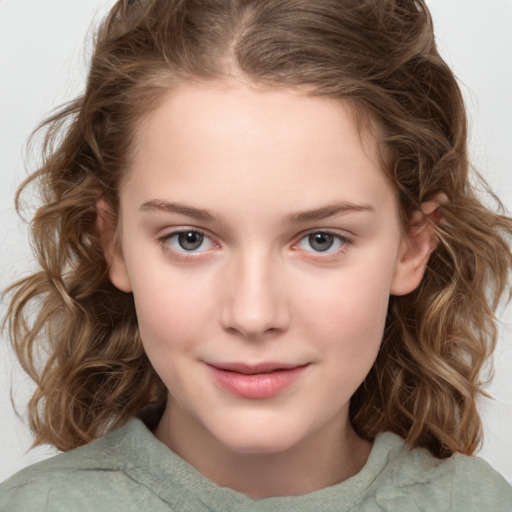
(43, 63)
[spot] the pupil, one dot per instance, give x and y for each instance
(321, 241)
(190, 240)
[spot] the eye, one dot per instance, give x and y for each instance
(322, 241)
(187, 241)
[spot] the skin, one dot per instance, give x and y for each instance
(242, 165)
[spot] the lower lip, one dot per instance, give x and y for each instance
(256, 386)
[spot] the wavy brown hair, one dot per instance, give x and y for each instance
(76, 335)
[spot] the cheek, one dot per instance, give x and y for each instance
(345, 320)
(172, 324)
(169, 311)
(350, 311)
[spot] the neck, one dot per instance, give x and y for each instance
(317, 462)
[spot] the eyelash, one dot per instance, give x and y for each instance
(342, 241)
(166, 242)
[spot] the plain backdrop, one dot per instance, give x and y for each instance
(43, 61)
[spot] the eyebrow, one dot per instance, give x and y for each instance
(157, 205)
(330, 210)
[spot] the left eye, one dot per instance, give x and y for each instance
(322, 241)
(189, 241)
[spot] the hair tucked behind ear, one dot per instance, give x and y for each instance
(378, 56)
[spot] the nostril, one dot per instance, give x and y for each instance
(253, 335)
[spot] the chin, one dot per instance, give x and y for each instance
(263, 440)
(258, 447)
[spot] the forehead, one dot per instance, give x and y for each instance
(218, 106)
(220, 140)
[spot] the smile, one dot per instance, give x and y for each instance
(255, 381)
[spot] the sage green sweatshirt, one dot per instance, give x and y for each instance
(130, 470)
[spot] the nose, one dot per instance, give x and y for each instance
(255, 305)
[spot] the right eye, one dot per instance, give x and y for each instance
(187, 241)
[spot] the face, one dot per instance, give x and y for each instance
(261, 242)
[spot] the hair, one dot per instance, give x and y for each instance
(76, 335)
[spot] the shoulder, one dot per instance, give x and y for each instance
(459, 483)
(82, 479)
(476, 484)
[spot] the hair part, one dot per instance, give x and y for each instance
(380, 57)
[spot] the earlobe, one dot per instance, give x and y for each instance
(416, 247)
(106, 228)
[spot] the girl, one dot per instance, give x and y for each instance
(266, 280)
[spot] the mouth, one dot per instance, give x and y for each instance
(258, 381)
(249, 369)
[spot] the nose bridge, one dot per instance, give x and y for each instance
(255, 303)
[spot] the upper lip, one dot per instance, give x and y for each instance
(253, 369)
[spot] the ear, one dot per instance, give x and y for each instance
(417, 244)
(106, 228)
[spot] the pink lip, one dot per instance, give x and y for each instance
(255, 381)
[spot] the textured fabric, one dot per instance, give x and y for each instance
(131, 471)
